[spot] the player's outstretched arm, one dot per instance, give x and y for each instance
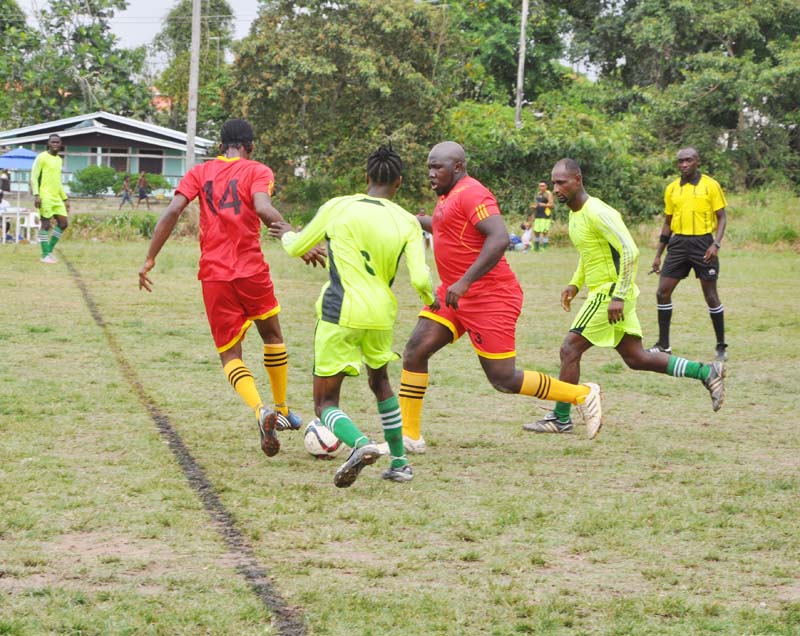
(161, 233)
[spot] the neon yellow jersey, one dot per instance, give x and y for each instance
(693, 208)
(46, 177)
(366, 236)
(608, 254)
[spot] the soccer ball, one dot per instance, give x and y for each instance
(320, 442)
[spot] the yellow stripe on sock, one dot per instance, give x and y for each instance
(546, 387)
(276, 363)
(412, 391)
(242, 381)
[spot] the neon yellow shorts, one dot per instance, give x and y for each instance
(592, 322)
(542, 225)
(342, 349)
(52, 206)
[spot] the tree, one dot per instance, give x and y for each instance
(324, 83)
(174, 41)
(490, 31)
(16, 42)
(77, 67)
(700, 67)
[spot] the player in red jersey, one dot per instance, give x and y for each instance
(479, 295)
(235, 198)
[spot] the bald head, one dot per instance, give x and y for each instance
(568, 183)
(688, 162)
(447, 165)
(450, 151)
(568, 166)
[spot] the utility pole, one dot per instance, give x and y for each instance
(194, 81)
(521, 63)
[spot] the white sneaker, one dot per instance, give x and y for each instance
(417, 446)
(592, 410)
(50, 259)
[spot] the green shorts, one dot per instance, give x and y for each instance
(592, 322)
(52, 207)
(542, 225)
(342, 349)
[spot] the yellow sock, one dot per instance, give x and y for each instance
(242, 382)
(412, 391)
(276, 363)
(545, 387)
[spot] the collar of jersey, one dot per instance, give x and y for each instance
(224, 158)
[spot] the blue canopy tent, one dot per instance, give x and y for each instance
(18, 159)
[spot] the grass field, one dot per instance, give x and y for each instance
(675, 521)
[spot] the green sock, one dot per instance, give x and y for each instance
(342, 426)
(43, 242)
(681, 367)
(562, 410)
(392, 423)
(54, 238)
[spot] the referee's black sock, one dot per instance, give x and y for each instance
(664, 320)
(718, 320)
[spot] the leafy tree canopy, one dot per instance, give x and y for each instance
(73, 64)
(323, 83)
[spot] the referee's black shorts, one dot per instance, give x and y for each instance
(685, 253)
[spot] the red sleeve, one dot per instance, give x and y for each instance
(478, 204)
(263, 180)
(190, 185)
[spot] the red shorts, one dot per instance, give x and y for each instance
(231, 306)
(490, 320)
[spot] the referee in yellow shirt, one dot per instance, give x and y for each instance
(694, 226)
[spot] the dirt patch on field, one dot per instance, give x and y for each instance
(93, 561)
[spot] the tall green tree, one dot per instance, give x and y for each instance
(17, 41)
(323, 83)
(700, 67)
(490, 30)
(174, 43)
(78, 66)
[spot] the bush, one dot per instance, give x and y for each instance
(511, 161)
(157, 182)
(93, 180)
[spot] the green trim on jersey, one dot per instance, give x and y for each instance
(366, 236)
(608, 256)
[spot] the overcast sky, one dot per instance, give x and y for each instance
(140, 22)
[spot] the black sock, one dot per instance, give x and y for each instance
(718, 320)
(664, 319)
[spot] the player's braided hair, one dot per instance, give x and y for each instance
(384, 165)
(236, 133)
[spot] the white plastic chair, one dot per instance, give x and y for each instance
(31, 224)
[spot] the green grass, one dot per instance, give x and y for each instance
(675, 521)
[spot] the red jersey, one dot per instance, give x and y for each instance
(230, 230)
(456, 242)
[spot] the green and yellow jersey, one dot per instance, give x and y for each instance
(608, 254)
(366, 236)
